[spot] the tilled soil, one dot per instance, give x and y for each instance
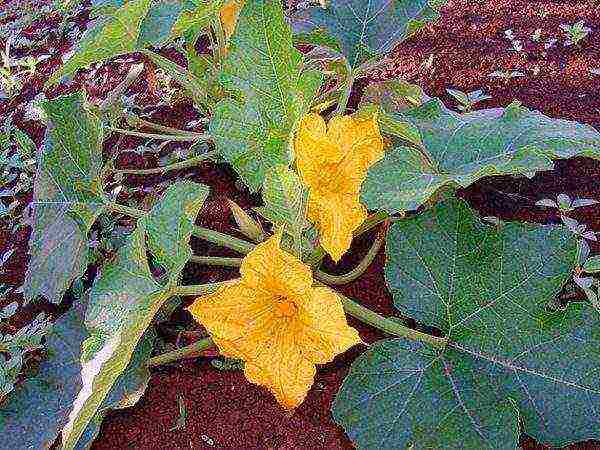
(467, 44)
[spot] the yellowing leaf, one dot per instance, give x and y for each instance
(277, 322)
(229, 15)
(332, 161)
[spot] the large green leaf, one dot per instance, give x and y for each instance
(285, 202)
(38, 408)
(486, 288)
(459, 149)
(115, 35)
(135, 25)
(263, 70)
(64, 202)
(170, 223)
(448, 269)
(367, 29)
(123, 302)
(400, 393)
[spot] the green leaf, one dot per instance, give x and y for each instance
(368, 29)
(123, 302)
(196, 18)
(592, 264)
(116, 35)
(285, 202)
(459, 149)
(262, 69)
(65, 204)
(127, 390)
(486, 287)
(37, 409)
(156, 26)
(400, 393)
(170, 223)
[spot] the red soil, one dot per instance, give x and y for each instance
(223, 409)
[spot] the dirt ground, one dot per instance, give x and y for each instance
(460, 51)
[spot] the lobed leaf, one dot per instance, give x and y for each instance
(170, 223)
(135, 25)
(38, 408)
(263, 70)
(368, 29)
(64, 199)
(402, 394)
(459, 149)
(123, 302)
(486, 287)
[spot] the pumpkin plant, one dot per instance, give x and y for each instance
(493, 354)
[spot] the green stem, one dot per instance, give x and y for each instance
(134, 120)
(223, 240)
(388, 325)
(194, 290)
(221, 39)
(216, 261)
(127, 210)
(354, 273)
(215, 237)
(164, 137)
(189, 351)
(176, 166)
(371, 221)
(345, 96)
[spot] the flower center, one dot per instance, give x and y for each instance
(285, 307)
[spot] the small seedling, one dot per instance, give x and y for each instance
(575, 33)
(507, 75)
(467, 101)
(564, 203)
(536, 36)
(517, 46)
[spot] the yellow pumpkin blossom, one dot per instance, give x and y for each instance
(277, 322)
(229, 13)
(332, 161)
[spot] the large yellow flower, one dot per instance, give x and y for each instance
(229, 13)
(332, 161)
(277, 322)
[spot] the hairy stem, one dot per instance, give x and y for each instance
(345, 95)
(200, 289)
(176, 166)
(134, 120)
(388, 325)
(134, 72)
(357, 271)
(215, 237)
(224, 240)
(189, 351)
(216, 261)
(165, 137)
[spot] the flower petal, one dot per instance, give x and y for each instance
(233, 310)
(269, 268)
(281, 366)
(336, 217)
(229, 13)
(326, 331)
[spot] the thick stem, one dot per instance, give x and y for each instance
(388, 325)
(176, 166)
(134, 120)
(193, 290)
(354, 273)
(221, 39)
(370, 222)
(215, 237)
(189, 351)
(223, 240)
(165, 137)
(345, 96)
(127, 210)
(216, 261)
(116, 93)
